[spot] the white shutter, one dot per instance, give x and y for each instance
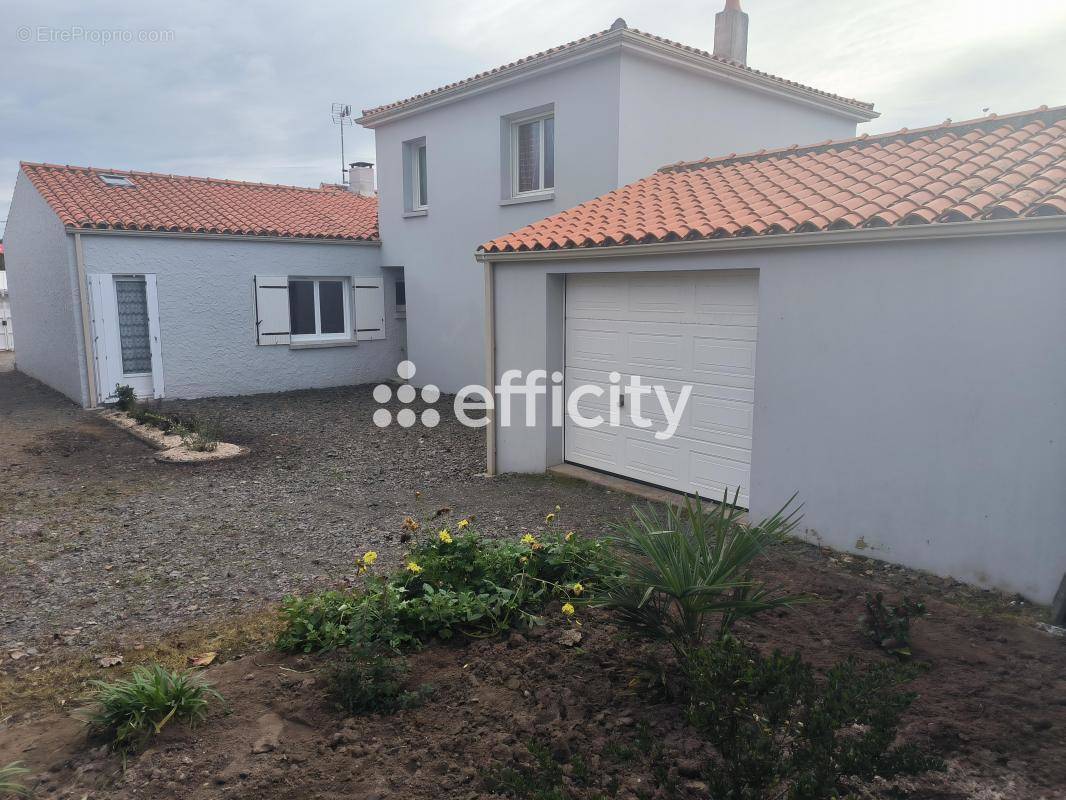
(271, 309)
(152, 298)
(369, 307)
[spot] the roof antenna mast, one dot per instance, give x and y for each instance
(342, 116)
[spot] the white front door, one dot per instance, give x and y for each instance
(125, 328)
(7, 339)
(671, 329)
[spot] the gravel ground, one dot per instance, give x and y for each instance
(102, 548)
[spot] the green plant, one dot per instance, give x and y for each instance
(889, 627)
(201, 439)
(783, 733)
(541, 780)
(129, 711)
(451, 584)
(684, 566)
(125, 397)
(10, 783)
(368, 682)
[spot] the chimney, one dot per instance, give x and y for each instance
(361, 178)
(731, 33)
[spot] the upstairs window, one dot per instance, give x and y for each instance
(416, 174)
(533, 155)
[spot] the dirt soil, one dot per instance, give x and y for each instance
(104, 551)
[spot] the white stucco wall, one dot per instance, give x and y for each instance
(670, 114)
(618, 117)
(207, 318)
(445, 299)
(912, 393)
(44, 293)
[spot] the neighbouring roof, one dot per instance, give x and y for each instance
(1004, 167)
(619, 32)
(179, 204)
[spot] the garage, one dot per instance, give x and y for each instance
(670, 329)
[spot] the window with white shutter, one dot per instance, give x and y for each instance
(369, 307)
(271, 309)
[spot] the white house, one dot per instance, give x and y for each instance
(466, 162)
(188, 287)
(905, 295)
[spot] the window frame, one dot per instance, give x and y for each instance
(418, 156)
(516, 123)
(346, 297)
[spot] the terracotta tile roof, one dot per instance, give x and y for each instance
(175, 203)
(617, 31)
(992, 168)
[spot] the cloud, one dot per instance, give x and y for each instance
(244, 91)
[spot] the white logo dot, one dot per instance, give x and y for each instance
(382, 394)
(382, 417)
(406, 393)
(406, 418)
(406, 370)
(614, 377)
(430, 393)
(430, 418)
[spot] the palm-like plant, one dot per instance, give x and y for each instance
(10, 785)
(131, 710)
(681, 568)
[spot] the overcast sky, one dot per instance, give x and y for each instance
(243, 89)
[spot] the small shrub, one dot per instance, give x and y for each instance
(889, 627)
(132, 710)
(201, 440)
(125, 397)
(544, 779)
(783, 733)
(10, 783)
(451, 584)
(685, 567)
(371, 683)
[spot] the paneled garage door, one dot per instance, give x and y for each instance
(671, 329)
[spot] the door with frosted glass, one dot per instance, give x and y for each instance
(125, 328)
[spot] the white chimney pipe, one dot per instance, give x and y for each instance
(361, 178)
(731, 33)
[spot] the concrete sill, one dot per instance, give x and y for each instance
(532, 198)
(409, 214)
(321, 345)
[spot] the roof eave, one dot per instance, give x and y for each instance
(897, 233)
(227, 236)
(638, 42)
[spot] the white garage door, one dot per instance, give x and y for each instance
(671, 329)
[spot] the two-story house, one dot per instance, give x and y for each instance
(466, 162)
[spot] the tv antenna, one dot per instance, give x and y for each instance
(342, 116)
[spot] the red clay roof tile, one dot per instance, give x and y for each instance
(177, 203)
(990, 168)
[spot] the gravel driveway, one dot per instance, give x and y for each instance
(103, 547)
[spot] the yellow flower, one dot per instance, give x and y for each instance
(413, 567)
(369, 557)
(444, 536)
(577, 588)
(463, 523)
(569, 535)
(558, 508)
(568, 609)
(550, 518)
(530, 540)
